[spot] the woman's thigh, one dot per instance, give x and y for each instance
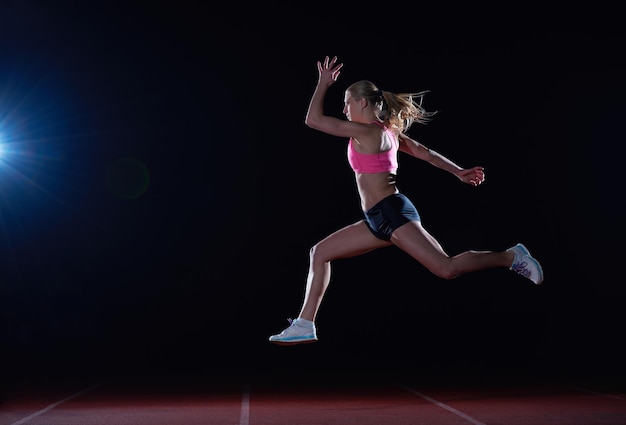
(413, 239)
(352, 240)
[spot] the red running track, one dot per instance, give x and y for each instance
(327, 398)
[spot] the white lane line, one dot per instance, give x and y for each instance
(444, 406)
(53, 405)
(244, 417)
(595, 392)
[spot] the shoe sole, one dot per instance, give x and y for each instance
(540, 280)
(301, 341)
(524, 249)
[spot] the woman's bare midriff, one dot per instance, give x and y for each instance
(374, 187)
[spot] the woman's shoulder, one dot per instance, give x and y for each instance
(377, 123)
(385, 125)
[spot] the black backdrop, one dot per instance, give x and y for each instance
(160, 190)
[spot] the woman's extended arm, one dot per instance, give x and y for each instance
(328, 74)
(329, 71)
(473, 176)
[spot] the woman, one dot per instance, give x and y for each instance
(376, 126)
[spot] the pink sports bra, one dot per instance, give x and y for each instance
(375, 162)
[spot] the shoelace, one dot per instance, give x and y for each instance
(521, 269)
(291, 323)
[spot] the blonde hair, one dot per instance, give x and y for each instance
(398, 110)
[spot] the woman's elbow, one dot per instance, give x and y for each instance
(311, 122)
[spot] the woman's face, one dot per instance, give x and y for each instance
(351, 107)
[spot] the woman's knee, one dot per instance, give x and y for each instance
(317, 253)
(444, 270)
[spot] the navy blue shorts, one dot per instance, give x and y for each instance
(389, 214)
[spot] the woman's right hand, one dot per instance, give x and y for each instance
(328, 71)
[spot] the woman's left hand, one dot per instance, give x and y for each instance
(474, 176)
(329, 71)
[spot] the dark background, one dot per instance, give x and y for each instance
(159, 190)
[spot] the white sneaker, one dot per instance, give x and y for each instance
(525, 264)
(297, 333)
